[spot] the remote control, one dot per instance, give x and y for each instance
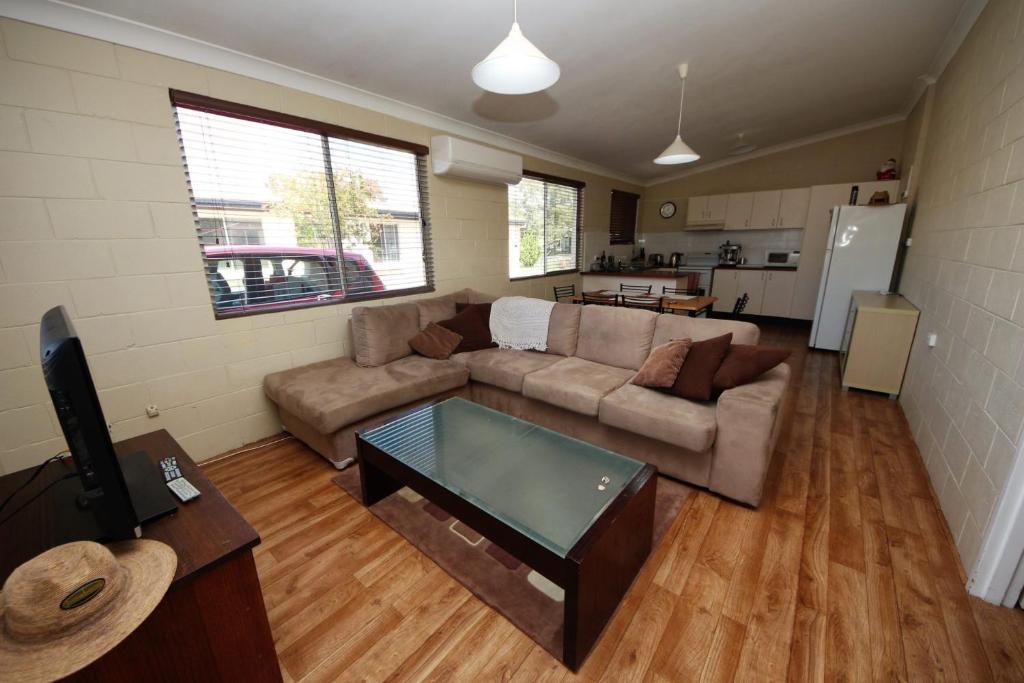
(169, 466)
(183, 489)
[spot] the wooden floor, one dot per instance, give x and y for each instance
(846, 571)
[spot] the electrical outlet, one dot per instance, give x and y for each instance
(152, 411)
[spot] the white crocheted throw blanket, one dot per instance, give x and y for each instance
(519, 322)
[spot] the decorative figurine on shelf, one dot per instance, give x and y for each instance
(888, 171)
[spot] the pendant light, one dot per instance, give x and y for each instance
(741, 146)
(516, 66)
(678, 152)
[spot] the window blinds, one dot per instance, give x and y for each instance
(545, 215)
(622, 228)
(293, 213)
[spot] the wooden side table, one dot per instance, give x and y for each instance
(211, 624)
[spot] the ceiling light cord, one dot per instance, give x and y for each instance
(515, 11)
(679, 126)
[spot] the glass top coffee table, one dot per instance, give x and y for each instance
(580, 515)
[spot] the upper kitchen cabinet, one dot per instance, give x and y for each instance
(706, 212)
(793, 208)
(775, 209)
(738, 211)
(765, 213)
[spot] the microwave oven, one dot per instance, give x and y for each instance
(790, 259)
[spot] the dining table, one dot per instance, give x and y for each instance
(692, 305)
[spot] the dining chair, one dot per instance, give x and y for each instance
(741, 303)
(668, 291)
(645, 302)
(565, 291)
(599, 299)
(638, 289)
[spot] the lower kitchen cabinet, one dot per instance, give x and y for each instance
(769, 292)
(778, 293)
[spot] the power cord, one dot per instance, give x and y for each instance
(35, 473)
(46, 488)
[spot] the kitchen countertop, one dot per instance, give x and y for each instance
(756, 266)
(660, 273)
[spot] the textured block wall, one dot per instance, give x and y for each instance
(94, 215)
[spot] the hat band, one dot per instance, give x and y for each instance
(60, 621)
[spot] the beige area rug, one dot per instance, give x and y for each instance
(524, 597)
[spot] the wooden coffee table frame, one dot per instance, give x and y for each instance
(595, 574)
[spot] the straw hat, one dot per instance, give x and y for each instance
(67, 607)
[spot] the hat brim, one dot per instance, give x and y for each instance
(149, 567)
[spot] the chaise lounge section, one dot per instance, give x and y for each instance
(579, 387)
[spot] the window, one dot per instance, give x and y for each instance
(544, 218)
(622, 228)
(292, 212)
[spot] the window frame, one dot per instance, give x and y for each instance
(212, 105)
(579, 186)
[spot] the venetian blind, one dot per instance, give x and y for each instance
(293, 213)
(622, 228)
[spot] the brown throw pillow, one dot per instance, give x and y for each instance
(435, 341)
(745, 363)
(473, 322)
(696, 377)
(661, 368)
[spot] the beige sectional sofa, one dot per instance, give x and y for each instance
(579, 387)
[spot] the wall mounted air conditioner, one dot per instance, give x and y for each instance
(457, 158)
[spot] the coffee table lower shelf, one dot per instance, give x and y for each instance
(595, 574)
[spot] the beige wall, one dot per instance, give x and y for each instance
(94, 215)
(964, 398)
(849, 158)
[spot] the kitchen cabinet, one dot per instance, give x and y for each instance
(793, 207)
(724, 286)
(738, 211)
(766, 210)
(751, 283)
(778, 293)
(769, 292)
(705, 211)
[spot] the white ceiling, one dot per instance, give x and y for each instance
(778, 70)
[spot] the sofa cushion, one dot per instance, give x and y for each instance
(615, 336)
(435, 341)
(381, 334)
(745, 363)
(435, 309)
(575, 384)
(696, 378)
(471, 296)
(564, 329)
(671, 327)
(661, 368)
(505, 368)
(332, 394)
(678, 421)
(472, 322)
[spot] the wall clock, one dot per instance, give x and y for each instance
(667, 210)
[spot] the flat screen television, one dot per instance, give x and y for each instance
(111, 497)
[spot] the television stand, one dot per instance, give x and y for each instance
(73, 517)
(213, 613)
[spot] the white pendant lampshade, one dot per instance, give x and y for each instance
(516, 66)
(678, 152)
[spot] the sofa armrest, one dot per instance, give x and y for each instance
(748, 425)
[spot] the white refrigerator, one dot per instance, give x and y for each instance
(860, 254)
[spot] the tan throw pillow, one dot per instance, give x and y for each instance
(661, 368)
(435, 342)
